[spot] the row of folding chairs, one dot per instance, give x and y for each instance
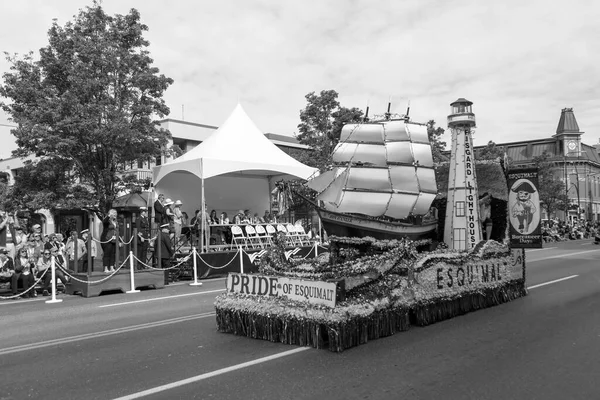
(259, 236)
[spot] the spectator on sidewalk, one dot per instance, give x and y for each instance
(109, 237)
(159, 210)
(23, 273)
(44, 266)
(143, 237)
(7, 266)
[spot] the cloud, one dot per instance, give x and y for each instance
(520, 62)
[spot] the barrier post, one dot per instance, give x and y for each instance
(194, 255)
(131, 274)
(54, 299)
(241, 261)
(316, 250)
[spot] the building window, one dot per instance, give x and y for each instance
(460, 238)
(459, 208)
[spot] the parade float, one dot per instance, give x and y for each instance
(368, 288)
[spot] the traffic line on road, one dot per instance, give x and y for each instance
(563, 255)
(545, 248)
(161, 298)
(95, 335)
(207, 375)
(551, 282)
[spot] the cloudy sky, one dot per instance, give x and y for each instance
(520, 62)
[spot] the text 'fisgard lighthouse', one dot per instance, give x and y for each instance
(462, 229)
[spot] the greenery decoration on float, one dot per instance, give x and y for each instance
(384, 293)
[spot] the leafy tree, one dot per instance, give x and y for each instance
(490, 152)
(321, 124)
(86, 107)
(551, 188)
(435, 138)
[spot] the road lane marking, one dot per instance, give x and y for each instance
(545, 248)
(207, 375)
(161, 298)
(95, 335)
(563, 255)
(551, 282)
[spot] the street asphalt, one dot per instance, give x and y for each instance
(163, 344)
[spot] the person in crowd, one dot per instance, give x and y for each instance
(75, 260)
(7, 266)
(23, 272)
(239, 217)
(159, 210)
(166, 250)
(194, 226)
(60, 242)
(177, 220)
(247, 218)
(213, 218)
(85, 236)
(267, 217)
(168, 211)
(36, 229)
(20, 238)
(44, 265)
(37, 244)
(256, 219)
(109, 239)
(143, 237)
(51, 243)
(224, 219)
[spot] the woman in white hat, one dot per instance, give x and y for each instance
(177, 220)
(168, 211)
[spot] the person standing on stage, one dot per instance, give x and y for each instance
(109, 239)
(159, 209)
(166, 250)
(143, 237)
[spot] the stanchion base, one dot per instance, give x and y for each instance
(196, 284)
(53, 301)
(132, 291)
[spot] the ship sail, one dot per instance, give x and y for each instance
(381, 169)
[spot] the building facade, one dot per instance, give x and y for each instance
(577, 165)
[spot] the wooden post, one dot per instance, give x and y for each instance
(157, 246)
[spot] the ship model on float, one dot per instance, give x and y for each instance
(382, 181)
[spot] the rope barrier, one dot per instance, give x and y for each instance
(92, 282)
(101, 242)
(32, 287)
(124, 242)
(224, 266)
(186, 259)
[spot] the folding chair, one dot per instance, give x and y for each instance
(281, 228)
(270, 232)
(263, 236)
(252, 237)
(238, 238)
(294, 238)
(302, 235)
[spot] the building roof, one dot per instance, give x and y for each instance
(461, 100)
(567, 122)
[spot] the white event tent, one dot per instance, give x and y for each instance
(234, 168)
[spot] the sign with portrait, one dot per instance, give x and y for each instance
(524, 211)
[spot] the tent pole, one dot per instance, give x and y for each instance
(202, 210)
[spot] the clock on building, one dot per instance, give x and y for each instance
(572, 145)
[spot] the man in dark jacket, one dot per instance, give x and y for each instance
(166, 250)
(159, 209)
(143, 236)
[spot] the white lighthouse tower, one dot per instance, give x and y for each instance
(462, 229)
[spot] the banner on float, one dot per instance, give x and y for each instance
(524, 211)
(315, 292)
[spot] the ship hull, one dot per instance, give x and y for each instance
(347, 225)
